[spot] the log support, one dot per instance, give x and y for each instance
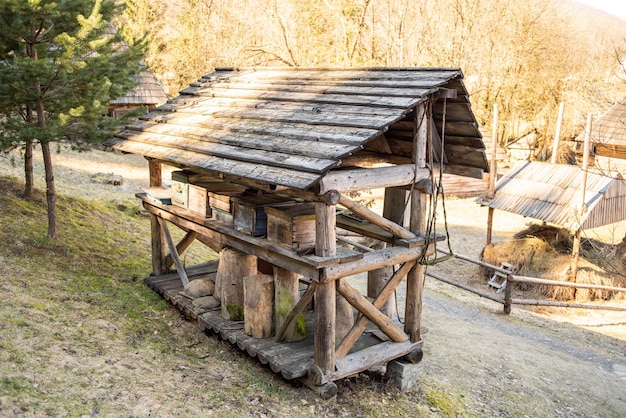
(325, 295)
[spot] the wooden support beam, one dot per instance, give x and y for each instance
(373, 356)
(220, 236)
(181, 247)
(375, 260)
(375, 218)
(372, 178)
(157, 246)
(158, 250)
(360, 302)
(358, 328)
(415, 278)
(325, 296)
(170, 242)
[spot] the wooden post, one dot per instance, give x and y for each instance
(159, 264)
(557, 135)
(583, 206)
(415, 277)
(258, 308)
(493, 171)
(325, 293)
(286, 295)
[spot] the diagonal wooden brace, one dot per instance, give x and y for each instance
(181, 247)
(372, 313)
(376, 219)
(170, 243)
(359, 327)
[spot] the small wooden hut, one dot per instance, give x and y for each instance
(148, 93)
(552, 193)
(608, 139)
(311, 137)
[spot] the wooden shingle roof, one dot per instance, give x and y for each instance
(551, 193)
(147, 92)
(290, 127)
(608, 132)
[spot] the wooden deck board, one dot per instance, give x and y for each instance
(290, 360)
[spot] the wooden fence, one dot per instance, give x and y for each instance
(508, 301)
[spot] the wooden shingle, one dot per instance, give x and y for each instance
(291, 127)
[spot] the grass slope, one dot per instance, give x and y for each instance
(82, 335)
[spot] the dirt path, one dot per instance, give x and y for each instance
(522, 364)
(530, 363)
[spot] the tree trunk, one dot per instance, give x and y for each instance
(28, 159)
(28, 170)
(51, 197)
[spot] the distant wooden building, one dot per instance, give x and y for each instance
(148, 93)
(312, 137)
(608, 138)
(552, 193)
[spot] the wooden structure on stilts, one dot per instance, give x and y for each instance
(272, 155)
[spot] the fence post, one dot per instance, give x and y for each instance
(507, 294)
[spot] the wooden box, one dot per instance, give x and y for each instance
(162, 195)
(220, 195)
(198, 199)
(221, 215)
(180, 194)
(292, 226)
(249, 214)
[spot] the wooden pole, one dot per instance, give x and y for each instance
(325, 293)
(159, 265)
(583, 206)
(493, 168)
(557, 135)
(417, 225)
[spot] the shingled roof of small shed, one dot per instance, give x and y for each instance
(147, 92)
(290, 127)
(610, 128)
(552, 193)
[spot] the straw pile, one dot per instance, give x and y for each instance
(537, 257)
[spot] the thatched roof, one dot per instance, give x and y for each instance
(291, 127)
(552, 193)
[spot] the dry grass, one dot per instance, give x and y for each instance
(544, 252)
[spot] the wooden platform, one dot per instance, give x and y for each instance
(290, 360)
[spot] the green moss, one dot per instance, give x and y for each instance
(235, 312)
(284, 304)
(442, 402)
(300, 327)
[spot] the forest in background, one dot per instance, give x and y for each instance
(525, 56)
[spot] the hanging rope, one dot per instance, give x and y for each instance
(431, 228)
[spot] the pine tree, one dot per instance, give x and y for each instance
(61, 63)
